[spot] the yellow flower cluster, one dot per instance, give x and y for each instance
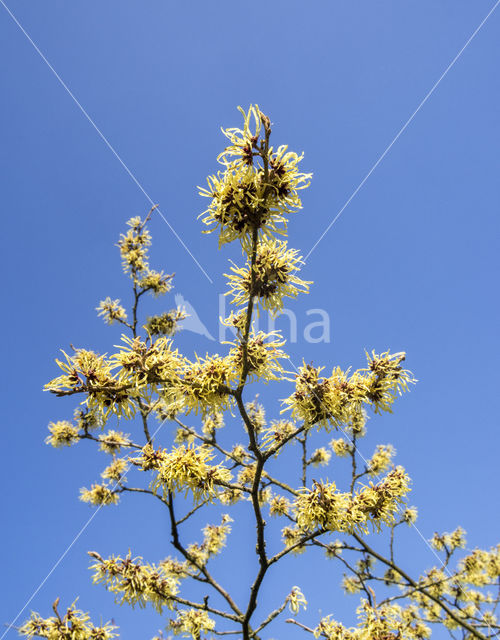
(156, 281)
(351, 584)
(278, 506)
(62, 434)
(89, 373)
(112, 441)
(379, 503)
(111, 311)
(188, 469)
(191, 623)
(338, 400)
(214, 540)
(175, 568)
(99, 495)
(134, 245)
(115, 470)
(325, 507)
(265, 495)
(256, 414)
(386, 379)
(449, 541)
(260, 357)
(319, 457)
(165, 324)
(381, 460)
(87, 420)
(332, 630)
(133, 582)
(277, 433)
(271, 279)
(410, 515)
(150, 458)
(115, 383)
(258, 188)
(212, 421)
(386, 622)
(341, 448)
(73, 625)
(247, 474)
(239, 453)
(325, 401)
(482, 567)
(293, 536)
(205, 384)
(182, 436)
(215, 535)
(390, 621)
(230, 496)
(142, 363)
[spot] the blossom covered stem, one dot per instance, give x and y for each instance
(439, 601)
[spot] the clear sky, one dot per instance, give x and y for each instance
(411, 264)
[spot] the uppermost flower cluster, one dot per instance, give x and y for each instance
(259, 186)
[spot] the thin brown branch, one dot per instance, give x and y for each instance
(210, 580)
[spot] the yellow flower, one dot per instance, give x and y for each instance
(115, 470)
(341, 447)
(165, 324)
(256, 414)
(134, 582)
(293, 536)
(386, 379)
(99, 494)
(381, 460)
(89, 373)
(278, 506)
(319, 457)
(410, 515)
(156, 281)
(333, 630)
(277, 433)
(134, 247)
(296, 600)
(188, 468)
(141, 363)
(271, 279)
(150, 458)
(241, 151)
(205, 384)
(380, 503)
(325, 401)
(351, 584)
(212, 421)
(113, 441)
(215, 535)
(239, 453)
(74, 623)
(323, 507)
(449, 541)
(263, 354)
(258, 188)
(111, 311)
(191, 622)
(62, 434)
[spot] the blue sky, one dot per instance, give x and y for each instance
(411, 264)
